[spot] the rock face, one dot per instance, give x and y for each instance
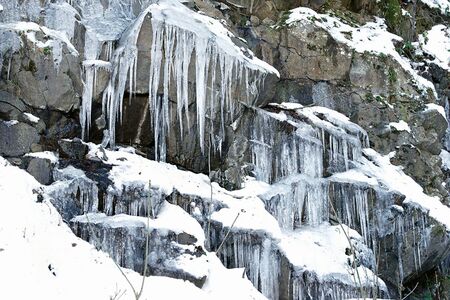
(327, 130)
(385, 222)
(321, 67)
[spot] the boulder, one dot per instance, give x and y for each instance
(16, 138)
(41, 168)
(75, 149)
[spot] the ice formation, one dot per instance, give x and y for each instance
(178, 43)
(298, 201)
(320, 133)
(39, 242)
(279, 225)
(256, 244)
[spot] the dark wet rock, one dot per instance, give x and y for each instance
(10, 106)
(73, 149)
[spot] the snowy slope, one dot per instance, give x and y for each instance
(42, 259)
(436, 42)
(442, 5)
(375, 169)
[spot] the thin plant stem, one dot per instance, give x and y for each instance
(228, 233)
(351, 248)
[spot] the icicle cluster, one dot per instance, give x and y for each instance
(283, 145)
(277, 154)
(222, 79)
(103, 236)
(259, 260)
(304, 201)
(307, 287)
(351, 201)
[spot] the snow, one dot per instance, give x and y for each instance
(400, 126)
(395, 179)
(106, 65)
(442, 5)
(218, 283)
(10, 123)
(440, 109)
(288, 105)
(436, 42)
(32, 118)
(35, 245)
(445, 156)
(371, 37)
(310, 249)
(51, 156)
(354, 175)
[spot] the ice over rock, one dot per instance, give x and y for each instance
(322, 209)
(270, 229)
(180, 39)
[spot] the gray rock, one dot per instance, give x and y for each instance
(41, 169)
(16, 138)
(75, 148)
(35, 79)
(10, 106)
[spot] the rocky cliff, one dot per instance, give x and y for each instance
(294, 149)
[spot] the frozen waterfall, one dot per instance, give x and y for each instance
(224, 73)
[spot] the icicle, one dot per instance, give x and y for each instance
(352, 205)
(171, 52)
(91, 54)
(155, 70)
(291, 153)
(303, 202)
(259, 260)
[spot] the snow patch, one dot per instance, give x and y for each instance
(440, 109)
(10, 123)
(436, 42)
(445, 156)
(32, 118)
(310, 249)
(442, 5)
(400, 126)
(51, 156)
(378, 166)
